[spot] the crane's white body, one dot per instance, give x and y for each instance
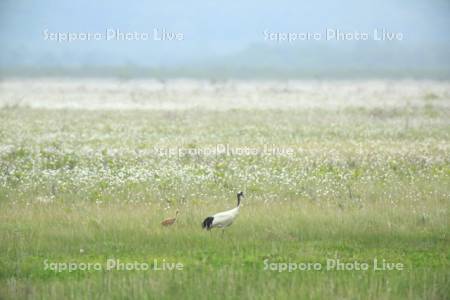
(225, 218)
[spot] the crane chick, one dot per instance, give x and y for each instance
(170, 221)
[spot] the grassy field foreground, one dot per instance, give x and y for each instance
(361, 183)
(231, 266)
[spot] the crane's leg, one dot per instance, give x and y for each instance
(223, 231)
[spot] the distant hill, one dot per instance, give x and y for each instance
(314, 59)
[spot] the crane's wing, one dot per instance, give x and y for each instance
(224, 218)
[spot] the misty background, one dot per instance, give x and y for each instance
(226, 39)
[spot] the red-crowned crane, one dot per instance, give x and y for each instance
(225, 218)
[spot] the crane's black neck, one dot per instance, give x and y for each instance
(239, 199)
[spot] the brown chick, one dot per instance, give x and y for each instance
(170, 221)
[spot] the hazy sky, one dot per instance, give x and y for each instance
(210, 28)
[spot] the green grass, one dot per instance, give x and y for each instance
(85, 186)
(226, 266)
